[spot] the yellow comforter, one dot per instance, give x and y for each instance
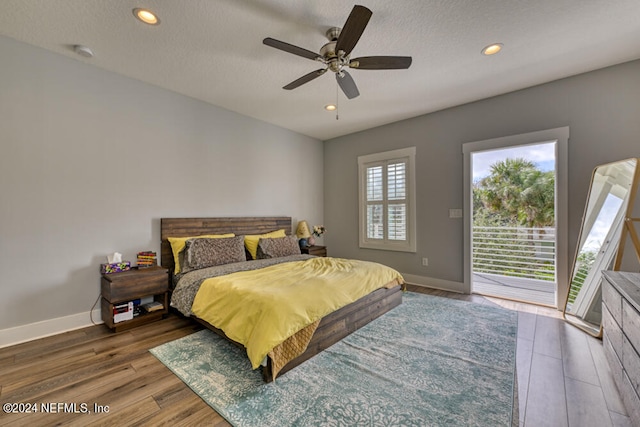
(262, 308)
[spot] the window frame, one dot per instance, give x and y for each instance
(384, 158)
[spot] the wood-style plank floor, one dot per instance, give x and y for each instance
(563, 377)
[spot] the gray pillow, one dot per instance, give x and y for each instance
(278, 247)
(203, 253)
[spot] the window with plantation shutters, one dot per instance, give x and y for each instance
(387, 214)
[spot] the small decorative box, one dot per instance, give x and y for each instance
(115, 267)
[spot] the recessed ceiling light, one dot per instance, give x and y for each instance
(492, 49)
(146, 16)
(330, 107)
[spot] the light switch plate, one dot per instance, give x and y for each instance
(455, 213)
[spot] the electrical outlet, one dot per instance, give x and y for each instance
(425, 262)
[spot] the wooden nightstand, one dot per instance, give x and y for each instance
(117, 288)
(315, 250)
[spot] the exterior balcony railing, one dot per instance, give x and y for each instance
(527, 253)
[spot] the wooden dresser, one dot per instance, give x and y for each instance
(621, 337)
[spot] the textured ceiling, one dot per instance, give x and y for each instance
(212, 50)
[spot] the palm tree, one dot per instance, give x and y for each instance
(517, 193)
(538, 199)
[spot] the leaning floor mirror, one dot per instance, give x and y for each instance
(606, 225)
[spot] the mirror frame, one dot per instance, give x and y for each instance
(627, 230)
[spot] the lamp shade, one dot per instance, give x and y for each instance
(302, 232)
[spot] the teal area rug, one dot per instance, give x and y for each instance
(429, 362)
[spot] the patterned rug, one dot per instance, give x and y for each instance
(429, 362)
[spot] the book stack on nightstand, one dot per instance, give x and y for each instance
(135, 297)
(147, 259)
(316, 250)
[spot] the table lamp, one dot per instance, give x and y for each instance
(303, 233)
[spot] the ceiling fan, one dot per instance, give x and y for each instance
(335, 54)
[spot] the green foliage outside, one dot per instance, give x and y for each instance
(515, 194)
(583, 267)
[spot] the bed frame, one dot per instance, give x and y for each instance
(332, 328)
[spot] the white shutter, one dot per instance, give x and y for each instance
(396, 196)
(375, 197)
(387, 217)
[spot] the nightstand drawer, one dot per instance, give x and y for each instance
(315, 250)
(133, 284)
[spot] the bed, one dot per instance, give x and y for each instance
(308, 342)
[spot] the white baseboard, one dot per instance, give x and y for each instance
(430, 282)
(32, 331)
(45, 328)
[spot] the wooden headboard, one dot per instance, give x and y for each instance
(183, 227)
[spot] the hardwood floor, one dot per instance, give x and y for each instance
(563, 377)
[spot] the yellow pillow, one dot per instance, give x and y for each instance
(251, 241)
(178, 244)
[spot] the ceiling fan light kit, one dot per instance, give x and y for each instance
(335, 54)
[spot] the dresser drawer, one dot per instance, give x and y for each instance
(612, 331)
(613, 300)
(631, 324)
(630, 399)
(631, 362)
(615, 365)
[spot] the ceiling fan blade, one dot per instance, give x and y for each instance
(305, 79)
(381, 62)
(353, 29)
(291, 48)
(347, 84)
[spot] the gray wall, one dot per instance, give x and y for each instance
(602, 109)
(90, 161)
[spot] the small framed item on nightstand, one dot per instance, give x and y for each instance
(316, 250)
